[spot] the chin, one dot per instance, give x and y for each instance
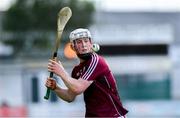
(86, 52)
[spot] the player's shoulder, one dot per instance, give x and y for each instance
(95, 57)
(98, 58)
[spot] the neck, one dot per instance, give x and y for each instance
(81, 60)
(84, 57)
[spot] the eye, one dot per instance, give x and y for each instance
(78, 41)
(86, 40)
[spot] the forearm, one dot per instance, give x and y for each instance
(65, 94)
(71, 83)
(76, 85)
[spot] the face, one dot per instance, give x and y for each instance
(83, 46)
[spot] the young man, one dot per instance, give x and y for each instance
(92, 77)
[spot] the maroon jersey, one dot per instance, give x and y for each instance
(101, 97)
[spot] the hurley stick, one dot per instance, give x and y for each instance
(63, 16)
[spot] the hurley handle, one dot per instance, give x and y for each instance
(48, 91)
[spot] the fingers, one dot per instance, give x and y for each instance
(51, 65)
(51, 83)
(54, 65)
(53, 61)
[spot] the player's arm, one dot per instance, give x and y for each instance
(64, 94)
(77, 86)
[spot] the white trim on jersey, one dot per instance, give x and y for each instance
(91, 68)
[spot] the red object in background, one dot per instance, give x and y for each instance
(6, 111)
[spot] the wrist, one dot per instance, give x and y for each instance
(55, 87)
(64, 75)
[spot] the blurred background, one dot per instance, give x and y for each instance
(138, 38)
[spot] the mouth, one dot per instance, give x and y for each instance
(84, 51)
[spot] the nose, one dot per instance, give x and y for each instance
(83, 43)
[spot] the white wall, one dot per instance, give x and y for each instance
(11, 90)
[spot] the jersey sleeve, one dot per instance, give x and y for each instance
(96, 67)
(74, 71)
